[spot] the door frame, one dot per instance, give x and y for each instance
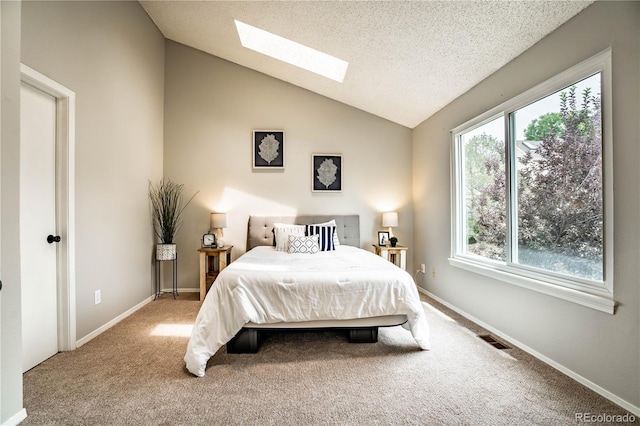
(65, 201)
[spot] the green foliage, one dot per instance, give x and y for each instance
(166, 209)
(560, 184)
(485, 194)
(560, 192)
(541, 127)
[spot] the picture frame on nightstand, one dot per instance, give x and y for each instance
(383, 238)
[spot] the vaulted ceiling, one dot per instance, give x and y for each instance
(407, 59)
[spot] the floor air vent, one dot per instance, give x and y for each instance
(493, 341)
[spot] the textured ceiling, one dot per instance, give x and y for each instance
(407, 59)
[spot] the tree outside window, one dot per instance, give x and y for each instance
(557, 198)
(560, 192)
(485, 190)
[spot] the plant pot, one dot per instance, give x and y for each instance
(165, 251)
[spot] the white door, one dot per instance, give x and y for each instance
(37, 221)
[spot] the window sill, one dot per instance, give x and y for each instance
(594, 301)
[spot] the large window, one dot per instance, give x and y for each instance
(532, 197)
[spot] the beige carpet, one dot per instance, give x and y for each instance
(134, 375)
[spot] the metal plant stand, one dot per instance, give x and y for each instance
(158, 281)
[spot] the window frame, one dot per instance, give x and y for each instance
(594, 294)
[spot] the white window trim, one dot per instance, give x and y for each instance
(596, 296)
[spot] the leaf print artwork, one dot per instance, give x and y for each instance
(327, 172)
(269, 148)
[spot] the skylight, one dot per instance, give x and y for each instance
(291, 52)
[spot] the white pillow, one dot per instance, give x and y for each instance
(304, 244)
(281, 232)
(332, 222)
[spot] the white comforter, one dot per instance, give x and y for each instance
(268, 286)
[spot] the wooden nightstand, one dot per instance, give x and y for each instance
(208, 270)
(396, 255)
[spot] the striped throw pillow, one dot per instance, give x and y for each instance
(332, 222)
(325, 234)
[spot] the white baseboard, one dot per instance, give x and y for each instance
(16, 418)
(184, 290)
(122, 316)
(113, 322)
(189, 290)
(588, 383)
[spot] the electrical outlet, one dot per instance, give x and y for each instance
(433, 272)
(423, 268)
(96, 298)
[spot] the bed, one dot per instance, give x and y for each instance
(271, 288)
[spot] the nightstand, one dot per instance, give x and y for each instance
(208, 270)
(396, 255)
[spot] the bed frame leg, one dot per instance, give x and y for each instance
(363, 335)
(247, 341)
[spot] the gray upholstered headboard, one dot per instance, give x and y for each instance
(260, 231)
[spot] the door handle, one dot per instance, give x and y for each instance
(52, 239)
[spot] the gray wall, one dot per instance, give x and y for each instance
(11, 407)
(112, 56)
(211, 108)
(602, 348)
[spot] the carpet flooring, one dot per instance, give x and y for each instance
(133, 374)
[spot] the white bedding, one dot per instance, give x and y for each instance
(268, 286)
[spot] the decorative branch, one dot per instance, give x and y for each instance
(166, 208)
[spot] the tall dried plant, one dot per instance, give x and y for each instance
(166, 208)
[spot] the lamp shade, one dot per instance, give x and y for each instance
(390, 219)
(218, 220)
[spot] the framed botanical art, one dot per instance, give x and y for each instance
(268, 149)
(326, 172)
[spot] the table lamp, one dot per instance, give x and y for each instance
(217, 223)
(390, 219)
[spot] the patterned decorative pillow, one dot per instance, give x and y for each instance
(332, 222)
(325, 234)
(303, 244)
(282, 231)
